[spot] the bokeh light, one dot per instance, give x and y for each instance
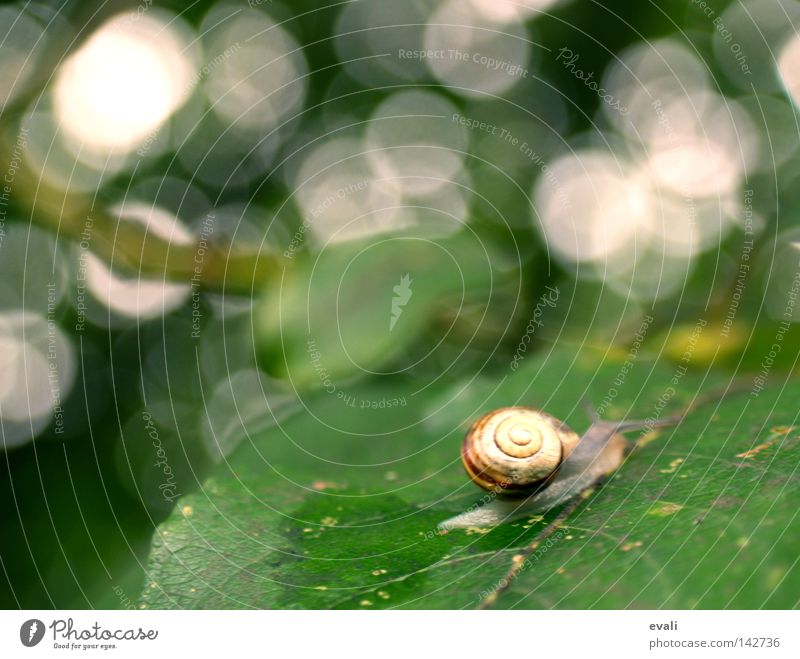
(256, 77)
(412, 137)
(20, 50)
(129, 76)
(591, 208)
(474, 54)
(372, 39)
(339, 195)
(34, 271)
(38, 361)
(124, 298)
(783, 289)
(748, 39)
(510, 10)
(789, 67)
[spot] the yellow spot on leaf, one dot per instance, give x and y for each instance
(690, 342)
(321, 486)
(472, 530)
(664, 509)
(775, 576)
(756, 450)
(631, 545)
(777, 433)
(187, 510)
(672, 466)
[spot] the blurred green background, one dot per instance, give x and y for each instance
(244, 236)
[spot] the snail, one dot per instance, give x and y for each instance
(532, 462)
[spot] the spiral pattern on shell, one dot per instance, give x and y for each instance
(513, 450)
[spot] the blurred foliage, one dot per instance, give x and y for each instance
(82, 507)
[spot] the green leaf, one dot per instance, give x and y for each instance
(338, 507)
(357, 306)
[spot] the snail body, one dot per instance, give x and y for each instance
(533, 462)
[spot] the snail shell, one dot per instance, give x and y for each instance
(515, 450)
